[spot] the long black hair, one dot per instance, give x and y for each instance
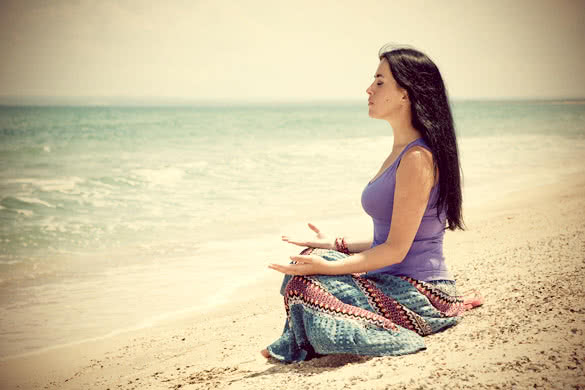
(431, 116)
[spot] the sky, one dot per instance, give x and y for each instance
(285, 50)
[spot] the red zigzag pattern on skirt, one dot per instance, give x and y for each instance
(308, 291)
(388, 312)
(392, 309)
(448, 305)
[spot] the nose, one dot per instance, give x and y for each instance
(369, 90)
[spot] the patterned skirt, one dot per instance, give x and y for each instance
(374, 315)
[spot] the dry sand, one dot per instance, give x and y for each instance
(525, 252)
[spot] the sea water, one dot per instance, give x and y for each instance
(115, 217)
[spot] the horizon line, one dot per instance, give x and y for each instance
(116, 101)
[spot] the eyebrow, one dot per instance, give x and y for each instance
(378, 75)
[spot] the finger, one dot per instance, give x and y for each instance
(299, 243)
(314, 228)
(303, 259)
(289, 270)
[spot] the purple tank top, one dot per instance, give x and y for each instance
(424, 261)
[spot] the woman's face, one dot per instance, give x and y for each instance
(386, 97)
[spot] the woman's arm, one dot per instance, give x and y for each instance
(414, 180)
(355, 245)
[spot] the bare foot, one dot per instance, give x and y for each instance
(265, 353)
(472, 299)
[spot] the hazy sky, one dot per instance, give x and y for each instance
(287, 50)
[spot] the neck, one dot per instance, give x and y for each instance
(404, 132)
(401, 123)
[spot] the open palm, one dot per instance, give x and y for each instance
(320, 240)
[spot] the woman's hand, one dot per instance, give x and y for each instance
(304, 265)
(319, 241)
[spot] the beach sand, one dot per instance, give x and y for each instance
(525, 252)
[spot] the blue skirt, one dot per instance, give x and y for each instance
(374, 315)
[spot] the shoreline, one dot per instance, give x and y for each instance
(220, 302)
(202, 301)
(524, 253)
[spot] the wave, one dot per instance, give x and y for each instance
(36, 201)
(23, 205)
(62, 184)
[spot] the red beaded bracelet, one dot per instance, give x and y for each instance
(341, 245)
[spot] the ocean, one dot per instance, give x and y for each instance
(114, 218)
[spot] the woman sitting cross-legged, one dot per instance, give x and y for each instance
(379, 297)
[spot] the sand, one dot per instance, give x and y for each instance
(525, 252)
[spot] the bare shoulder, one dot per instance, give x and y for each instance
(417, 158)
(416, 168)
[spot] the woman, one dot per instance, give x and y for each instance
(379, 297)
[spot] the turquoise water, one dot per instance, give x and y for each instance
(76, 179)
(91, 194)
